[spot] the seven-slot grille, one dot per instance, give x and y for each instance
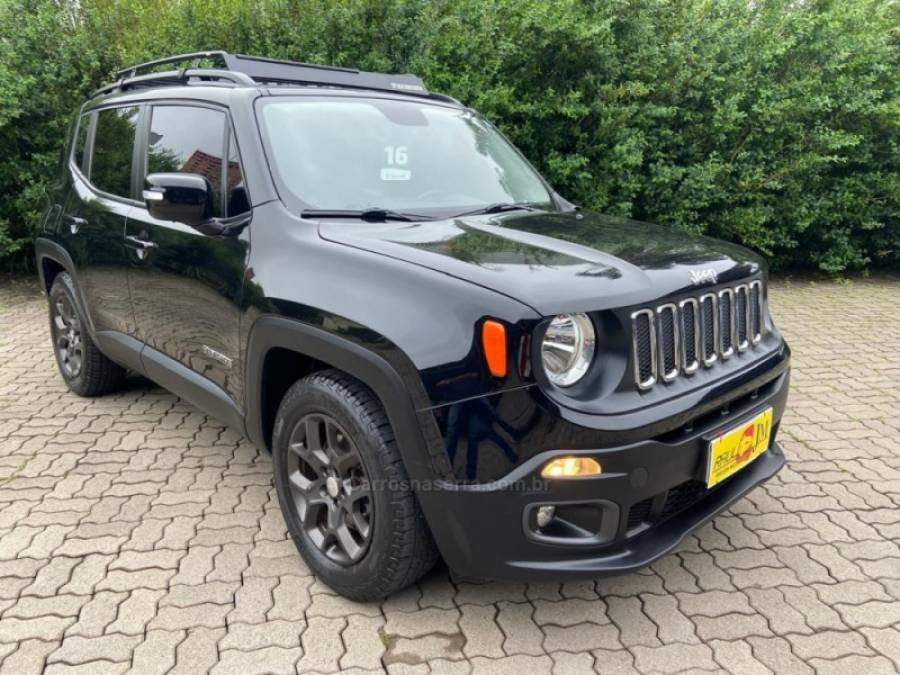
(679, 339)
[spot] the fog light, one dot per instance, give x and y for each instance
(571, 467)
(545, 515)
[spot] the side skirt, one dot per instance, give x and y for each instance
(172, 375)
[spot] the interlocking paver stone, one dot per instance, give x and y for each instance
(322, 645)
(197, 653)
(47, 627)
(671, 624)
(522, 634)
(77, 649)
(27, 657)
(634, 625)
(33, 607)
(737, 658)
(205, 614)
(483, 635)
(570, 612)
(412, 652)
(97, 614)
(673, 658)
(566, 663)
(422, 622)
(138, 533)
(264, 660)
(249, 636)
(874, 665)
(156, 654)
(829, 644)
(581, 637)
(362, 640)
(874, 614)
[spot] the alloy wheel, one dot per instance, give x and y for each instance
(330, 488)
(67, 337)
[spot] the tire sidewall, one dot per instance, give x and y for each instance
(314, 397)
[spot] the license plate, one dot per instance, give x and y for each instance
(733, 450)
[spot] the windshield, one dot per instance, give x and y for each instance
(355, 154)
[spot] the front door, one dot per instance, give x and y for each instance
(185, 285)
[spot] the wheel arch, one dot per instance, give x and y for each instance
(51, 260)
(272, 337)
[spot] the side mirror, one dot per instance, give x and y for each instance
(182, 197)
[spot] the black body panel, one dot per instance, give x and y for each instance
(556, 262)
(187, 292)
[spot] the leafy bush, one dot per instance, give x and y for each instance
(775, 124)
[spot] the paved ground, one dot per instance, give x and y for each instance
(136, 533)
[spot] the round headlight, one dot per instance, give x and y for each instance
(568, 348)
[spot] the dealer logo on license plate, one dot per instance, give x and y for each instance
(736, 448)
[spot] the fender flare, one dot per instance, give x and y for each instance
(271, 332)
(47, 249)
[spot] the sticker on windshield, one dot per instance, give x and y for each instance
(390, 173)
(395, 154)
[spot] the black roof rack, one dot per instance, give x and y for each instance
(239, 69)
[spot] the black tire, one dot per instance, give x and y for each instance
(91, 374)
(399, 548)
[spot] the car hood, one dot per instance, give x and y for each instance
(557, 262)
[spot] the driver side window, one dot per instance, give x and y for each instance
(185, 139)
(189, 139)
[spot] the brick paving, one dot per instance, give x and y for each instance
(137, 534)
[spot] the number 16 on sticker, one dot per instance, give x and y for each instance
(396, 156)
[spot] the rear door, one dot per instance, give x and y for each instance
(94, 214)
(185, 285)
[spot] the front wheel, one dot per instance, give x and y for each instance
(344, 491)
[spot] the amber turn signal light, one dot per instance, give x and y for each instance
(493, 340)
(571, 467)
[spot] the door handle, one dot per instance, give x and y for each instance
(141, 243)
(75, 223)
(144, 246)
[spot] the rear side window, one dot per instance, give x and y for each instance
(184, 139)
(113, 148)
(81, 140)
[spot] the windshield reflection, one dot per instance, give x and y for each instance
(407, 156)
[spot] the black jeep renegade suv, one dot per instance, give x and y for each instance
(442, 354)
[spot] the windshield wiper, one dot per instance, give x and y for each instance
(499, 207)
(372, 215)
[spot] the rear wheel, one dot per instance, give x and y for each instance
(344, 490)
(85, 370)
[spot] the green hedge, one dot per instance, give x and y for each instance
(775, 124)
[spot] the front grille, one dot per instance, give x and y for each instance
(690, 331)
(645, 347)
(741, 317)
(668, 342)
(726, 323)
(709, 325)
(677, 339)
(755, 312)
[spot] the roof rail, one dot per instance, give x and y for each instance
(240, 69)
(194, 57)
(170, 77)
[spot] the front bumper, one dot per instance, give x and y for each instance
(650, 496)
